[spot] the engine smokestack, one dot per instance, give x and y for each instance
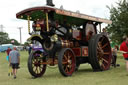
(50, 3)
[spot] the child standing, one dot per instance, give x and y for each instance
(114, 56)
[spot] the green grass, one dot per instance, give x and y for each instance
(84, 76)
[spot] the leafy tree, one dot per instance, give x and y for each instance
(3, 38)
(15, 42)
(26, 44)
(119, 17)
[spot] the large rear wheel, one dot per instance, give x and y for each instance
(66, 62)
(35, 66)
(99, 52)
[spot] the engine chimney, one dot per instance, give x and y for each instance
(50, 3)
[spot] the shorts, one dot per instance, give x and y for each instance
(15, 65)
(126, 59)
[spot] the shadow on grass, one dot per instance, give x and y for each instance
(84, 70)
(46, 75)
(56, 74)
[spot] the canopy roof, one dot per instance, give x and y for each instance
(59, 14)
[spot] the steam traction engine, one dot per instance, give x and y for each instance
(68, 38)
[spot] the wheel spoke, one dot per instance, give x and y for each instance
(66, 69)
(99, 57)
(100, 62)
(40, 69)
(65, 57)
(33, 62)
(70, 66)
(106, 53)
(104, 60)
(98, 49)
(103, 65)
(99, 44)
(104, 45)
(102, 39)
(35, 69)
(64, 62)
(69, 55)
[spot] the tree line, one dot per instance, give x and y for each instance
(119, 17)
(4, 39)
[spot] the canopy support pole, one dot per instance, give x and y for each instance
(28, 17)
(47, 22)
(100, 27)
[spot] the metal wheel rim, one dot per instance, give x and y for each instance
(37, 67)
(68, 62)
(103, 52)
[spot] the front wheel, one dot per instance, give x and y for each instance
(35, 66)
(66, 62)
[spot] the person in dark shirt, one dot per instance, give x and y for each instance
(7, 58)
(29, 49)
(8, 51)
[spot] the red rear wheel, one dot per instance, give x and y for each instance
(99, 52)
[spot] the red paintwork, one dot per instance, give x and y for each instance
(81, 51)
(77, 51)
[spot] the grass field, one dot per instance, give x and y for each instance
(52, 76)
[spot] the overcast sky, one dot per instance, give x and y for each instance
(9, 8)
